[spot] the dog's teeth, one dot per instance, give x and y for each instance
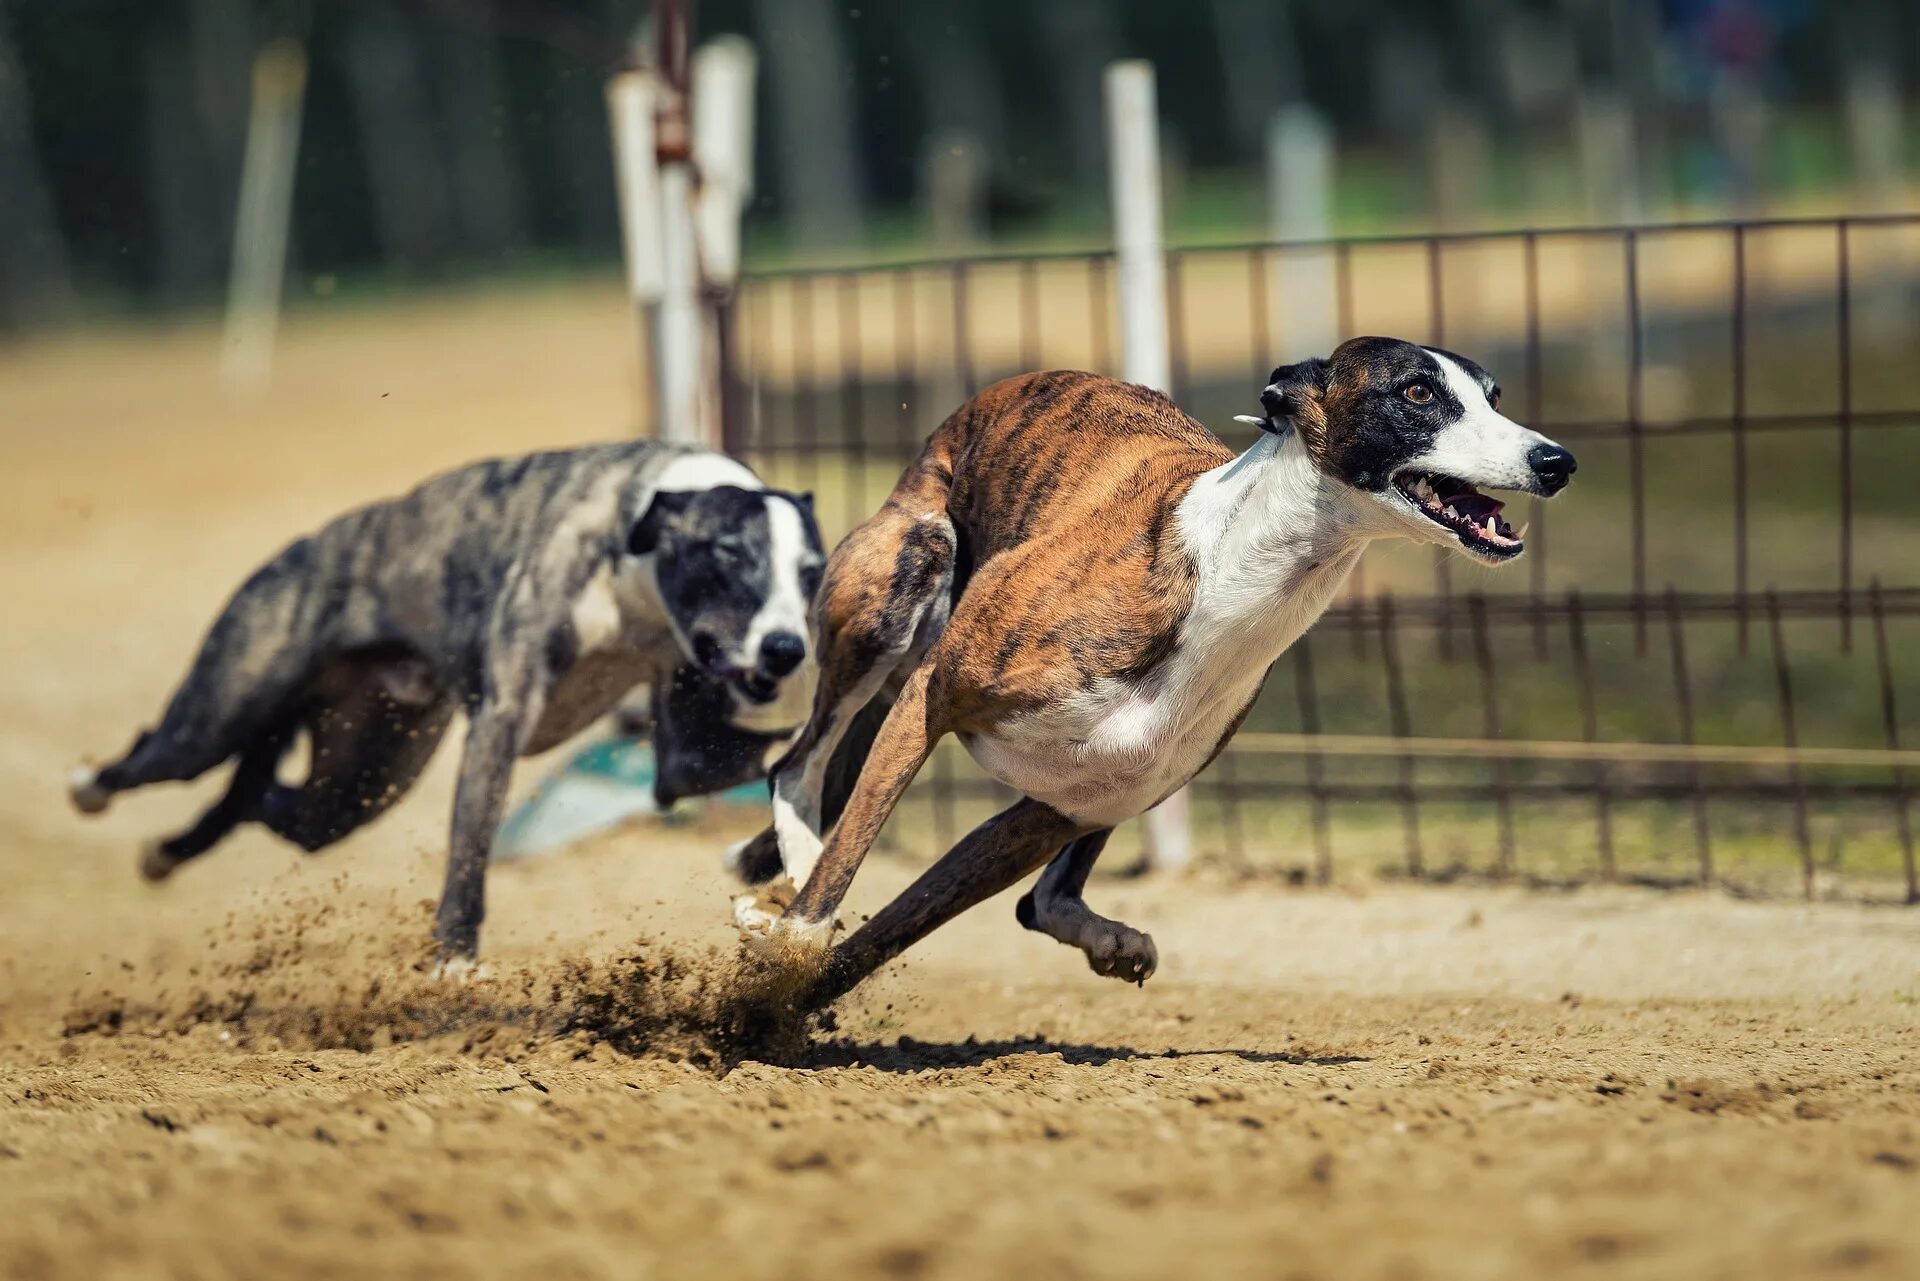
(1451, 512)
(1521, 532)
(1493, 530)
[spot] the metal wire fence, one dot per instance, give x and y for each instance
(1697, 673)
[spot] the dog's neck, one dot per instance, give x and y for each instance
(1272, 538)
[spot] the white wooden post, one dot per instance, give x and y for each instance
(953, 185)
(636, 170)
(1874, 135)
(689, 412)
(682, 184)
(723, 73)
(1300, 207)
(1609, 156)
(261, 224)
(1133, 154)
(1876, 145)
(1737, 112)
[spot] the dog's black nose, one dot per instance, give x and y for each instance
(781, 652)
(1552, 466)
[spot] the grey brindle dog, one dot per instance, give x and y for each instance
(532, 594)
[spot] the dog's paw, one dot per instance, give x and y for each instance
(155, 863)
(84, 790)
(788, 935)
(1121, 952)
(758, 910)
(456, 971)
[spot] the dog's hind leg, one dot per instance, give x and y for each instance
(1054, 907)
(187, 743)
(988, 859)
(367, 750)
(252, 776)
(253, 661)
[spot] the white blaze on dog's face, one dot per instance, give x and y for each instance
(736, 570)
(1418, 430)
(795, 564)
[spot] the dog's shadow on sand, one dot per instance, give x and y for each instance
(910, 1055)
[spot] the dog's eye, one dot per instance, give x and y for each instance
(1494, 399)
(1418, 393)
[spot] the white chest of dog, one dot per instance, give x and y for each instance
(1269, 553)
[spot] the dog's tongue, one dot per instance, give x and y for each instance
(1473, 504)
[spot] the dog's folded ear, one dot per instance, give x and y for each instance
(800, 499)
(1297, 394)
(665, 505)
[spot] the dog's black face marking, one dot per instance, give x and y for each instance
(737, 570)
(1418, 428)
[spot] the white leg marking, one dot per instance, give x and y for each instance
(789, 933)
(84, 790)
(458, 970)
(797, 801)
(800, 845)
(759, 909)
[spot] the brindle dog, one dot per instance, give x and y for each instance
(1088, 588)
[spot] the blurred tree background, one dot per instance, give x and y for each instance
(448, 138)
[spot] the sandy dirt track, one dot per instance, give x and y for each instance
(243, 1074)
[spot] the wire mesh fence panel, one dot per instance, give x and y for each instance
(1736, 566)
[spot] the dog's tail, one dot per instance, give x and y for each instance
(254, 659)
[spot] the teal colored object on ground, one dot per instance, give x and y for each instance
(604, 784)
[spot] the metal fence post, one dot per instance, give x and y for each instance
(1133, 154)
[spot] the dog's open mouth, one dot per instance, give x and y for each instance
(757, 687)
(754, 686)
(1462, 510)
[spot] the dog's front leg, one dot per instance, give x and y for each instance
(905, 741)
(1008, 846)
(498, 730)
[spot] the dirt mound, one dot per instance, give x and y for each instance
(297, 984)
